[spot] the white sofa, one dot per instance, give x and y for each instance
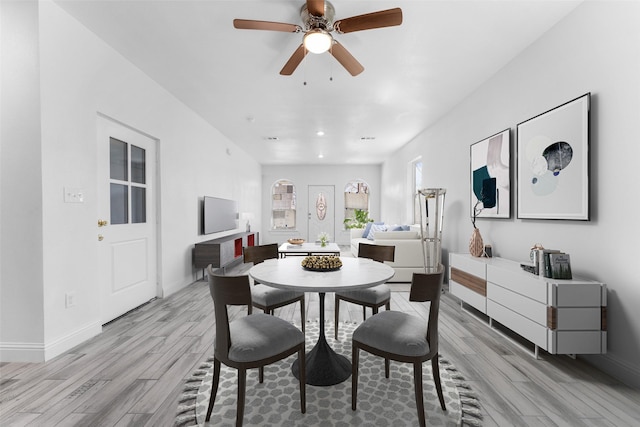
(408, 253)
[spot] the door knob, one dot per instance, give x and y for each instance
(100, 237)
(102, 222)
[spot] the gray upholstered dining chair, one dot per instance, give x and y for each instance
(405, 338)
(374, 297)
(268, 298)
(251, 341)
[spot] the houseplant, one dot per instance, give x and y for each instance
(360, 219)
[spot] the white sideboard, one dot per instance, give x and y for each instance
(559, 316)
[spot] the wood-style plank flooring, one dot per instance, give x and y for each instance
(133, 373)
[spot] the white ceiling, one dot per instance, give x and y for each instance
(414, 73)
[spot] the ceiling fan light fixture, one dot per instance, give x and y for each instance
(317, 40)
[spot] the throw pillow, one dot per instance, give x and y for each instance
(374, 229)
(367, 228)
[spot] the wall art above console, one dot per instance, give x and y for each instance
(553, 163)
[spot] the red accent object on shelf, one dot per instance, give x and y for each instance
(238, 247)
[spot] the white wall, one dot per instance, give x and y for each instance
(305, 175)
(21, 298)
(80, 77)
(595, 49)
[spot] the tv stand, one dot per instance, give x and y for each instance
(223, 251)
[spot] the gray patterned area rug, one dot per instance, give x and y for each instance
(381, 401)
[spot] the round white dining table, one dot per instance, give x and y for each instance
(323, 365)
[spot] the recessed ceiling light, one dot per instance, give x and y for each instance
(320, 156)
(320, 133)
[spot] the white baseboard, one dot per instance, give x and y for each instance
(21, 352)
(40, 352)
(619, 369)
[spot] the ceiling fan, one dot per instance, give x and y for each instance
(317, 17)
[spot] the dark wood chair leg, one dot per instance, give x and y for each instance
(355, 356)
(303, 380)
(261, 374)
(302, 306)
(417, 379)
(242, 385)
(435, 368)
(387, 306)
(364, 313)
(214, 387)
(336, 311)
(387, 364)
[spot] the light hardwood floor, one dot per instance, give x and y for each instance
(133, 373)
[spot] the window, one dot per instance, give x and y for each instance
(128, 188)
(416, 181)
(283, 205)
(356, 196)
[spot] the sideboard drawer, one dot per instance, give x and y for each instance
(474, 299)
(576, 294)
(519, 281)
(577, 342)
(469, 264)
(524, 327)
(575, 318)
(516, 302)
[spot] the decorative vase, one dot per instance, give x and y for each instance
(476, 246)
(323, 243)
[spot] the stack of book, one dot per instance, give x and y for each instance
(554, 264)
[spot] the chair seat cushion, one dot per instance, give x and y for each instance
(394, 332)
(259, 336)
(264, 295)
(375, 295)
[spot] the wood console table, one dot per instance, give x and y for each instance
(559, 316)
(223, 251)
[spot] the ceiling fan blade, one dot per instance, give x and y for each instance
(315, 7)
(294, 61)
(346, 59)
(249, 24)
(369, 21)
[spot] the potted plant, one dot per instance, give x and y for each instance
(360, 219)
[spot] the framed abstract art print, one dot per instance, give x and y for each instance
(553, 163)
(490, 176)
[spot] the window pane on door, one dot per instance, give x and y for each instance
(138, 165)
(138, 204)
(119, 204)
(118, 159)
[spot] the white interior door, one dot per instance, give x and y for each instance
(322, 212)
(127, 253)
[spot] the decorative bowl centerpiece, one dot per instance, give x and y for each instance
(296, 241)
(321, 263)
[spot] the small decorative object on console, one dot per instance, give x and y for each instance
(488, 251)
(476, 245)
(323, 238)
(321, 263)
(296, 241)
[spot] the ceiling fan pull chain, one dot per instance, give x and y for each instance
(331, 64)
(304, 69)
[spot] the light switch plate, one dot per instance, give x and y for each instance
(73, 195)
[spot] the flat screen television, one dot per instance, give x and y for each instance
(219, 215)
